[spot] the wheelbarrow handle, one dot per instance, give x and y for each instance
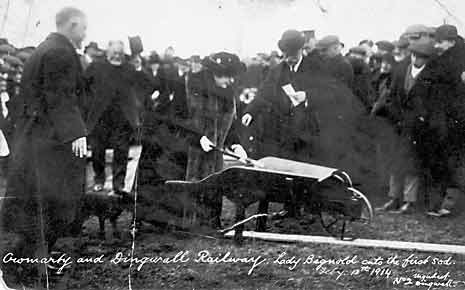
(247, 161)
(255, 216)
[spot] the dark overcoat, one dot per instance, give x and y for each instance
(361, 86)
(211, 112)
(340, 68)
(288, 131)
(447, 102)
(408, 106)
(165, 138)
(111, 85)
(445, 154)
(46, 180)
(407, 110)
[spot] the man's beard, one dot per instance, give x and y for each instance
(115, 61)
(399, 58)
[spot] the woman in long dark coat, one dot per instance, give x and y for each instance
(212, 109)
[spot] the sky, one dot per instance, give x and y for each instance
(244, 27)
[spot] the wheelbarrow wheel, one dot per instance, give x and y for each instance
(366, 212)
(345, 225)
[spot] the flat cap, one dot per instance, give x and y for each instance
(366, 41)
(224, 63)
(327, 42)
(446, 32)
(385, 45)
(417, 29)
(291, 41)
(7, 49)
(358, 50)
(13, 60)
(424, 48)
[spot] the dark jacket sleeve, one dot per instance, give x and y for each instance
(59, 92)
(265, 94)
(184, 128)
(144, 86)
(348, 73)
(393, 98)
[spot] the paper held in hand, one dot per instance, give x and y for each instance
(291, 93)
(4, 149)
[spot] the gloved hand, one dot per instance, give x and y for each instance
(239, 151)
(155, 95)
(246, 119)
(206, 144)
(79, 147)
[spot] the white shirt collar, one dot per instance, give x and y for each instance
(297, 65)
(88, 58)
(415, 71)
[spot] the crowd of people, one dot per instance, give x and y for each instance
(57, 104)
(417, 84)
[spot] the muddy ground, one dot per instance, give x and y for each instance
(168, 259)
(278, 265)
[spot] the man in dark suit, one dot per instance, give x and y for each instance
(338, 66)
(179, 100)
(47, 173)
(284, 100)
(112, 113)
(283, 106)
(410, 87)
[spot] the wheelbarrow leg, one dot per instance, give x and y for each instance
(343, 230)
(240, 215)
(291, 205)
(261, 221)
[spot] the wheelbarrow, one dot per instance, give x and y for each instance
(326, 192)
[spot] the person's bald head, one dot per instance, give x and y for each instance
(72, 23)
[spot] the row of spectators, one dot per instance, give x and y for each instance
(369, 70)
(417, 84)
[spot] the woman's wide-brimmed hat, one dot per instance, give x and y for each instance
(224, 64)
